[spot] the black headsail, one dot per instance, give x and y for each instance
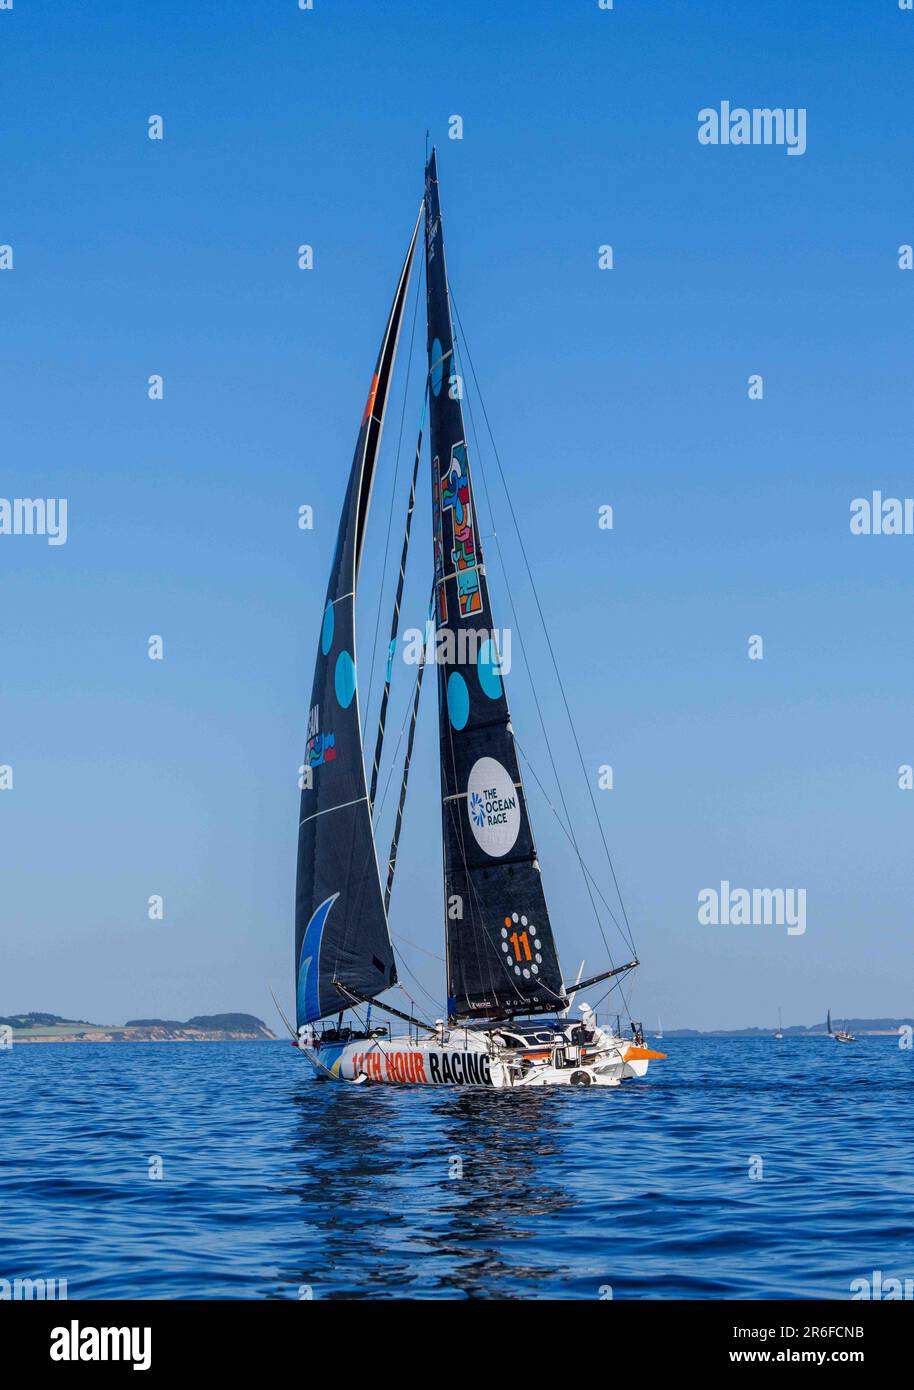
(501, 957)
(341, 929)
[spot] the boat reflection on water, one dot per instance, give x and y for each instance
(413, 1194)
(501, 1155)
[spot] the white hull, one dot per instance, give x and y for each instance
(469, 1057)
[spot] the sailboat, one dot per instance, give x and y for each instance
(780, 1033)
(507, 1021)
(841, 1035)
(659, 1033)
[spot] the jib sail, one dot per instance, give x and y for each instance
(341, 933)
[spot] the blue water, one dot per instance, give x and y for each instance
(273, 1181)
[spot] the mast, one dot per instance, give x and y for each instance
(341, 932)
(501, 956)
(411, 737)
(395, 621)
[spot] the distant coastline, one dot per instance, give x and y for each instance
(51, 1028)
(875, 1027)
(234, 1027)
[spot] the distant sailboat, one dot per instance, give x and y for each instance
(501, 959)
(841, 1035)
(780, 1033)
(659, 1033)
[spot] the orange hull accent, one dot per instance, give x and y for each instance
(643, 1054)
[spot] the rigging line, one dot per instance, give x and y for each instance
(372, 1041)
(484, 948)
(570, 837)
(393, 493)
(424, 949)
(386, 361)
(388, 1008)
(385, 364)
(395, 842)
(345, 937)
(480, 935)
(542, 619)
(484, 937)
(446, 809)
(396, 837)
(395, 619)
(419, 985)
(539, 711)
(618, 984)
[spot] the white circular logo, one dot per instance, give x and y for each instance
(493, 806)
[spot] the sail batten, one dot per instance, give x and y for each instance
(501, 956)
(341, 932)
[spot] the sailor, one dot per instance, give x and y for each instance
(590, 1029)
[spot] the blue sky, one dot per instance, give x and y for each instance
(626, 387)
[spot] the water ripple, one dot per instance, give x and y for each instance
(273, 1183)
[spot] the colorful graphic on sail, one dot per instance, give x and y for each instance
(490, 865)
(455, 498)
(321, 747)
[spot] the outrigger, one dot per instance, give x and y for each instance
(508, 1023)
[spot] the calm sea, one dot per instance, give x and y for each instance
(273, 1183)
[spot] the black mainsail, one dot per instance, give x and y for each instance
(501, 957)
(341, 932)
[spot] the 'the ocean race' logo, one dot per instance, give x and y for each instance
(493, 807)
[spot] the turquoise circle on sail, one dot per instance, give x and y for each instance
(437, 366)
(327, 629)
(344, 679)
(458, 700)
(488, 669)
